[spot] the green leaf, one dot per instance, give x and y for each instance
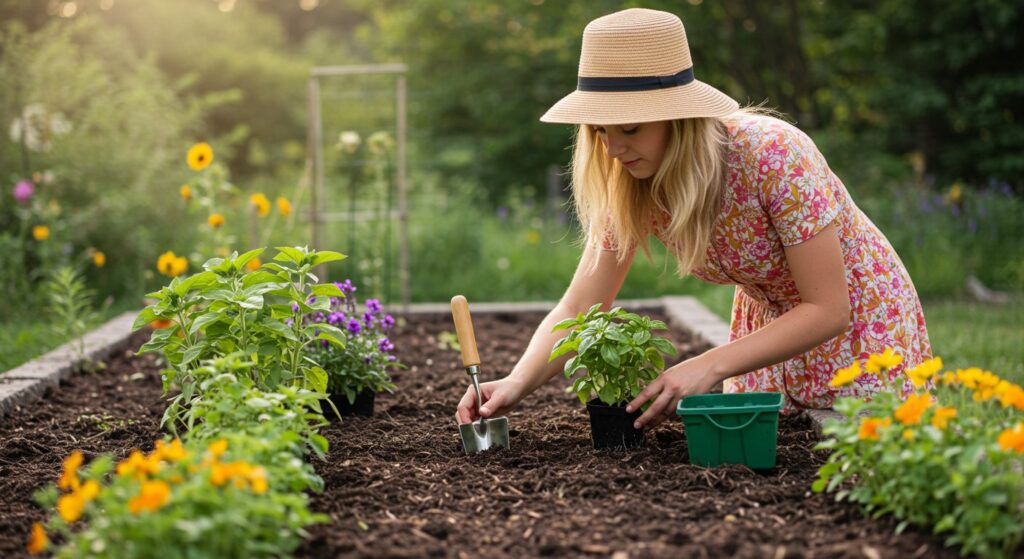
(316, 379)
(567, 323)
(202, 321)
(279, 328)
(327, 290)
(244, 259)
(325, 256)
(197, 281)
(664, 346)
(331, 339)
(258, 403)
(260, 277)
(609, 355)
(192, 353)
(145, 317)
(289, 254)
(563, 346)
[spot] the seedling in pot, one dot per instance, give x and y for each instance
(618, 356)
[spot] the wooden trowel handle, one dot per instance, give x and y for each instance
(464, 330)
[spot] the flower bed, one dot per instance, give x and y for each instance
(397, 484)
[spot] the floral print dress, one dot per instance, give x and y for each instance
(780, 192)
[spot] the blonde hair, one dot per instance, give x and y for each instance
(612, 205)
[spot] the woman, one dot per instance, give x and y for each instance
(738, 197)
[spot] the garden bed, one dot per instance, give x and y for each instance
(398, 485)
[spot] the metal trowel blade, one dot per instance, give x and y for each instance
(483, 434)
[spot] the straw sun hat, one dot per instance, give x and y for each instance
(635, 67)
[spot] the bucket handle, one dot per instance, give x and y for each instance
(732, 428)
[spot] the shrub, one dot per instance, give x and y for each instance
(949, 458)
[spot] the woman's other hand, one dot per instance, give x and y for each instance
(693, 376)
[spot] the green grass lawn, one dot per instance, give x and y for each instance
(969, 334)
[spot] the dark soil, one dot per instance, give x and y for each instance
(399, 485)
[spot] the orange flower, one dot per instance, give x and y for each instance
(69, 476)
(70, 506)
(172, 452)
(910, 412)
(1013, 438)
(887, 361)
(253, 265)
(1010, 394)
(258, 479)
(99, 259)
(138, 465)
(870, 426)
(152, 496)
(38, 542)
(942, 416)
(186, 192)
(215, 220)
(40, 232)
(161, 323)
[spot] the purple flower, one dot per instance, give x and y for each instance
(392, 358)
(324, 343)
(502, 213)
(346, 287)
(354, 327)
(312, 299)
(387, 322)
(317, 317)
(385, 345)
(373, 305)
(368, 320)
(335, 301)
(289, 322)
(295, 307)
(367, 359)
(23, 191)
(336, 318)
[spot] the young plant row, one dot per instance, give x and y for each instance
(246, 349)
(949, 457)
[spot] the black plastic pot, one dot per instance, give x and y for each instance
(363, 405)
(612, 427)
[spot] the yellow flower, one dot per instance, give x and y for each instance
(89, 491)
(283, 205)
(261, 203)
(955, 194)
(40, 232)
(253, 264)
(532, 237)
(200, 156)
(217, 448)
(910, 412)
(69, 475)
(908, 434)
(846, 375)
(869, 427)
(99, 259)
(165, 264)
(985, 386)
(138, 465)
(949, 379)
(1013, 438)
(153, 495)
(173, 452)
(258, 479)
(186, 192)
(886, 360)
(215, 220)
(942, 417)
(38, 542)
(920, 374)
(180, 266)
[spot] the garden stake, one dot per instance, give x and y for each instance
(481, 434)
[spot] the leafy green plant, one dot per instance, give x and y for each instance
(285, 420)
(192, 500)
(71, 308)
(615, 349)
(227, 308)
(949, 459)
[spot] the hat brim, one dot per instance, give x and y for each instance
(693, 100)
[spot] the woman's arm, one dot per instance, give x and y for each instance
(588, 287)
(823, 313)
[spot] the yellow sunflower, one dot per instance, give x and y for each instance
(200, 156)
(261, 202)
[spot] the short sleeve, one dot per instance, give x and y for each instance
(604, 237)
(796, 185)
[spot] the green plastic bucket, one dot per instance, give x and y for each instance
(732, 428)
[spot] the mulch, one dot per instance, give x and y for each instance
(399, 485)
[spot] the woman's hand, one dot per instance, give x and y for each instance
(693, 376)
(499, 398)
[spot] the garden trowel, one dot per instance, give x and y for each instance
(481, 434)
